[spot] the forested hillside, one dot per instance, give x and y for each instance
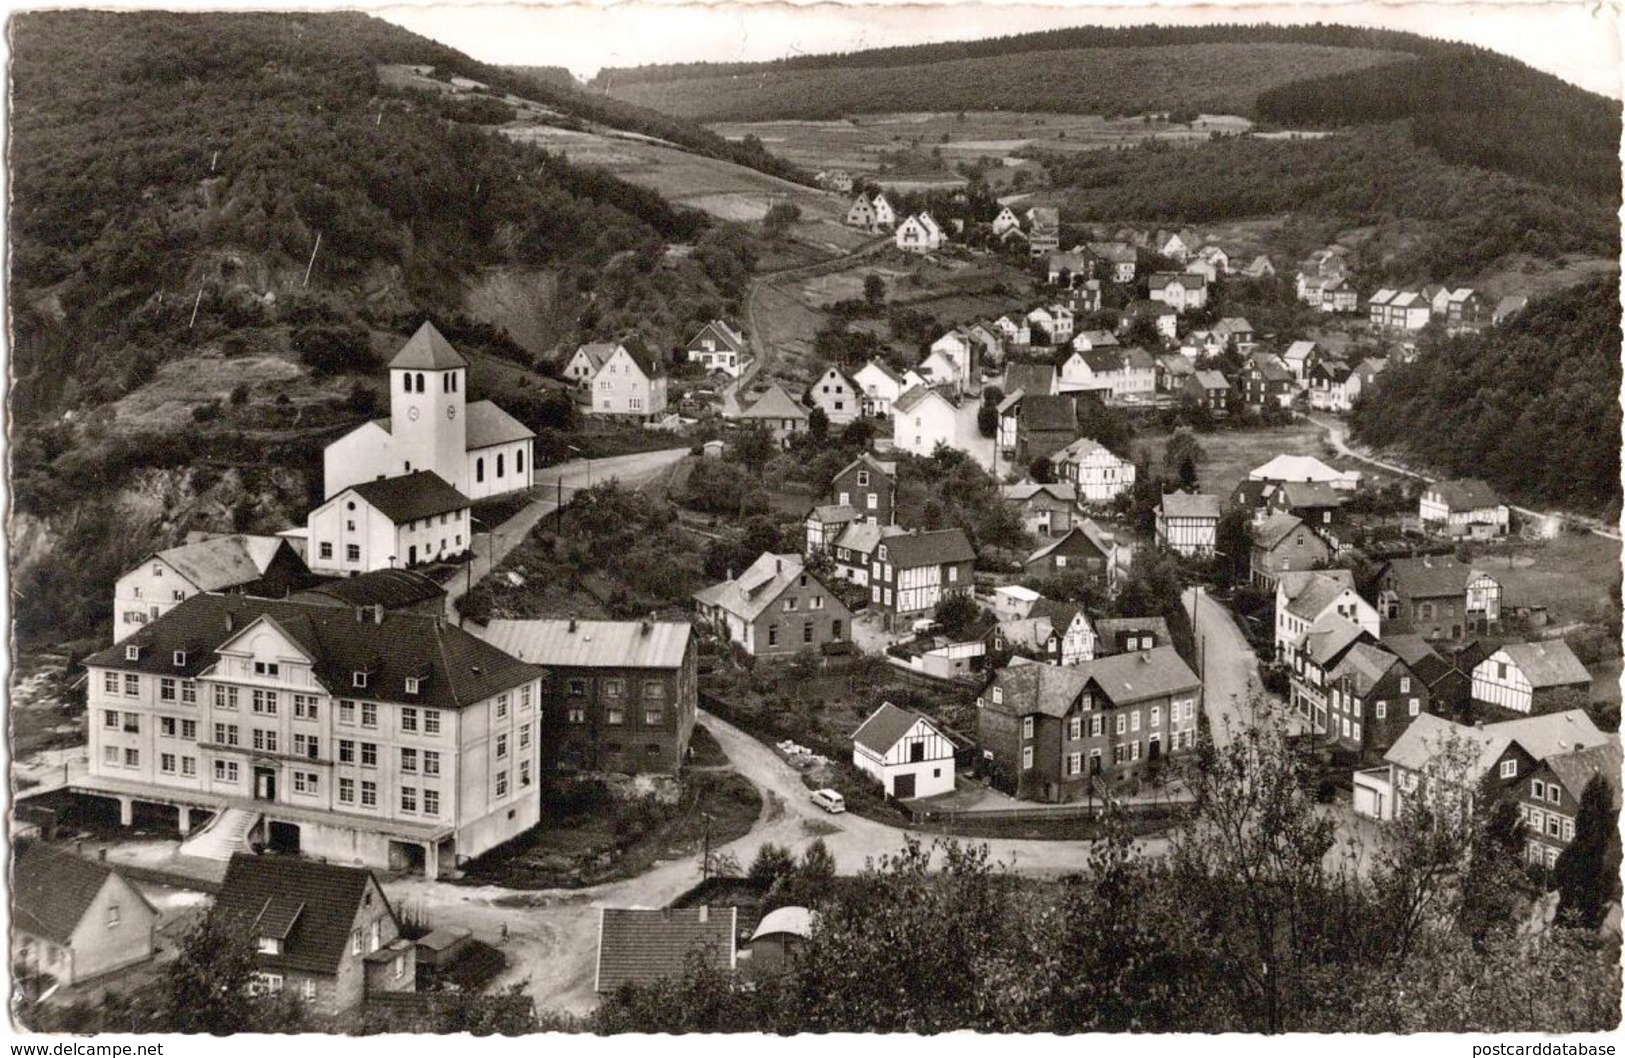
(1532, 406)
(1224, 78)
(1469, 217)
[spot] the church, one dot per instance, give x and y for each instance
(478, 449)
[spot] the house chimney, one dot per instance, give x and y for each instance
(705, 912)
(645, 626)
(231, 623)
(360, 614)
(377, 613)
(572, 623)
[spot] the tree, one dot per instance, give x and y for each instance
(1587, 872)
(779, 217)
(1233, 540)
(987, 419)
(1180, 458)
(955, 614)
(1490, 884)
(753, 447)
(874, 290)
(771, 863)
(208, 986)
(859, 434)
(1042, 471)
(818, 425)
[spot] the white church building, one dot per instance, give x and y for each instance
(478, 449)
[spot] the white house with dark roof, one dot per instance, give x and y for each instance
(478, 449)
(75, 919)
(630, 383)
(922, 419)
(1181, 291)
(1187, 522)
(1529, 678)
(717, 347)
(363, 736)
(1098, 474)
(919, 233)
(395, 522)
(231, 562)
(1466, 507)
(839, 396)
(775, 608)
(879, 385)
(905, 752)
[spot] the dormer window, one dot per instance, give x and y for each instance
(132, 653)
(270, 946)
(180, 659)
(414, 684)
(358, 679)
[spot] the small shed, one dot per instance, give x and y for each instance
(907, 752)
(781, 934)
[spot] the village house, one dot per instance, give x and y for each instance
(905, 752)
(432, 427)
(322, 932)
(1338, 295)
(718, 347)
(824, 525)
(391, 740)
(1006, 221)
(1044, 426)
(392, 522)
(1523, 679)
(644, 946)
(1236, 332)
(1172, 245)
(1283, 543)
(584, 363)
(1363, 376)
(1446, 763)
(1548, 798)
(1100, 371)
(622, 694)
(1328, 386)
(1163, 317)
(855, 549)
(1172, 372)
(1284, 468)
(1259, 267)
(880, 386)
(1466, 310)
(1049, 733)
(1084, 550)
(74, 919)
(1267, 380)
(1129, 635)
(776, 608)
(919, 234)
(1448, 686)
(1465, 507)
(1044, 510)
(1303, 600)
(1214, 256)
(869, 486)
(922, 419)
(1065, 269)
(1319, 652)
(1182, 291)
(1122, 258)
(778, 414)
(1399, 310)
(267, 566)
(861, 214)
(1188, 522)
(1438, 597)
(947, 364)
(1013, 332)
(1374, 697)
(1051, 631)
(913, 571)
(1043, 230)
(885, 215)
(1318, 504)
(839, 396)
(1208, 389)
(1299, 358)
(631, 383)
(1098, 474)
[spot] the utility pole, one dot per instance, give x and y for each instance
(312, 263)
(195, 306)
(705, 858)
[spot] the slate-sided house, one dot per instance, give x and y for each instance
(1047, 732)
(905, 752)
(1283, 543)
(1320, 650)
(389, 739)
(718, 347)
(1187, 522)
(322, 932)
(1266, 380)
(1374, 697)
(1209, 389)
(642, 946)
(913, 571)
(1448, 686)
(1438, 597)
(622, 695)
(267, 566)
(392, 522)
(1523, 679)
(775, 608)
(1044, 510)
(869, 486)
(73, 918)
(1084, 550)
(1549, 797)
(1044, 426)
(1467, 507)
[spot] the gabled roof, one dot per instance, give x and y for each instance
(1104, 361)
(1427, 736)
(409, 497)
(1234, 325)
(1576, 770)
(572, 643)
(393, 589)
(726, 337)
(885, 726)
(863, 537)
(459, 668)
(1188, 280)
(1465, 494)
(1549, 663)
(1190, 505)
(1112, 630)
(1296, 468)
(1211, 380)
(637, 946)
(1044, 412)
(1129, 678)
(774, 404)
(889, 469)
(1329, 637)
(1086, 529)
(1299, 350)
(1366, 665)
(1411, 649)
(1082, 449)
(1115, 252)
(884, 369)
(427, 350)
(1064, 491)
(1310, 593)
(1550, 733)
(311, 906)
(1309, 494)
(1274, 529)
(221, 562)
(916, 396)
(1429, 577)
(1059, 614)
(1175, 364)
(1038, 688)
(1036, 379)
(929, 548)
(597, 353)
(754, 590)
(652, 364)
(1033, 631)
(833, 513)
(1270, 369)
(51, 889)
(489, 425)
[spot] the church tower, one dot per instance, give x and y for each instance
(428, 382)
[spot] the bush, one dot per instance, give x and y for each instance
(333, 349)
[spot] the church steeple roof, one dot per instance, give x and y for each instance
(427, 350)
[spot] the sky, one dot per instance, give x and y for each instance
(1579, 42)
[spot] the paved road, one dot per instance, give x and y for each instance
(1337, 435)
(1231, 682)
(553, 934)
(488, 553)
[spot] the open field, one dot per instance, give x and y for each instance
(858, 144)
(1232, 454)
(1575, 575)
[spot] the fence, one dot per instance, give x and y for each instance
(1145, 811)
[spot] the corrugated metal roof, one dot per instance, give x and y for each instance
(592, 644)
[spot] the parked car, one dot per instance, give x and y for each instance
(829, 800)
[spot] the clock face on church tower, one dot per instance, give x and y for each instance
(451, 411)
(412, 413)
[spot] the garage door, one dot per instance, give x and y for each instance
(1367, 802)
(903, 787)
